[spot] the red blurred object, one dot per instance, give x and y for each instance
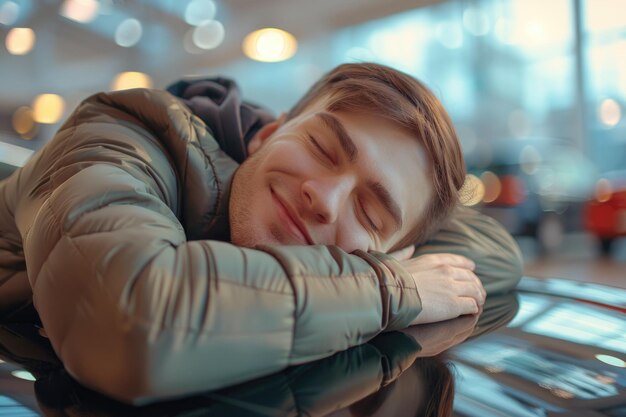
(513, 191)
(608, 218)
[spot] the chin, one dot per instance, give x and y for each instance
(250, 235)
(241, 237)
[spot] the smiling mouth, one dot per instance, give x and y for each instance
(289, 223)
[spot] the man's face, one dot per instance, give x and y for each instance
(347, 179)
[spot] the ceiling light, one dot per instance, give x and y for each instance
(128, 33)
(270, 45)
(48, 108)
(131, 79)
(20, 41)
(9, 13)
(199, 11)
(208, 35)
(81, 11)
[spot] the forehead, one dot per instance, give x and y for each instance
(386, 153)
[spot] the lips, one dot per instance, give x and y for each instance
(291, 221)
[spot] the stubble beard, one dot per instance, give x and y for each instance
(240, 214)
(243, 230)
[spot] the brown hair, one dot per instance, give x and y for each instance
(384, 91)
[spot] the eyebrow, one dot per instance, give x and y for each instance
(350, 150)
(346, 142)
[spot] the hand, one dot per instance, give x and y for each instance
(446, 283)
(435, 338)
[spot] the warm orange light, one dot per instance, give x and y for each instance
(492, 186)
(270, 45)
(20, 41)
(604, 191)
(472, 191)
(23, 121)
(48, 108)
(82, 11)
(131, 79)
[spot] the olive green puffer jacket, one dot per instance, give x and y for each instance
(95, 231)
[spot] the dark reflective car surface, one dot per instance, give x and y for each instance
(552, 348)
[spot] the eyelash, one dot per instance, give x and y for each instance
(367, 218)
(321, 150)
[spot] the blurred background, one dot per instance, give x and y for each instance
(536, 89)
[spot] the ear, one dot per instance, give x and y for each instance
(264, 133)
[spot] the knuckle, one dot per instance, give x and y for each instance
(446, 269)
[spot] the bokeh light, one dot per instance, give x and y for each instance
(200, 11)
(450, 35)
(131, 79)
(609, 112)
(82, 11)
(519, 123)
(476, 21)
(20, 41)
(48, 108)
(9, 12)
(472, 191)
(128, 33)
(270, 45)
(603, 191)
(503, 30)
(529, 159)
(493, 187)
(208, 35)
(24, 122)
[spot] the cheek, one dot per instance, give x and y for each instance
(289, 156)
(351, 236)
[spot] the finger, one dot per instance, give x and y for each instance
(470, 276)
(458, 261)
(482, 289)
(470, 289)
(404, 254)
(467, 305)
(463, 274)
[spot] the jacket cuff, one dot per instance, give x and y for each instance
(400, 296)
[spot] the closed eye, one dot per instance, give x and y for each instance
(320, 149)
(368, 219)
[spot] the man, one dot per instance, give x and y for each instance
(152, 280)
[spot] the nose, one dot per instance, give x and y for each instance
(325, 197)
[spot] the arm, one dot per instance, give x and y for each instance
(498, 259)
(138, 312)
